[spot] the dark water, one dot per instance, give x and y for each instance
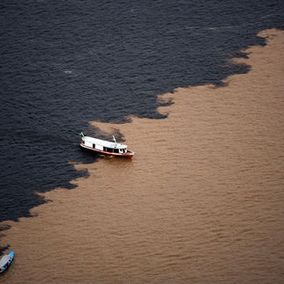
(65, 63)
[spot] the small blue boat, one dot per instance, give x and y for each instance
(6, 261)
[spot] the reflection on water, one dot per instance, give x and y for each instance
(201, 202)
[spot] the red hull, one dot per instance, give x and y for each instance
(128, 155)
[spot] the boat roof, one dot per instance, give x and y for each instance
(4, 260)
(105, 143)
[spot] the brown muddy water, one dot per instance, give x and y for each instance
(201, 202)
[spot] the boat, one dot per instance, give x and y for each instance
(104, 147)
(6, 261)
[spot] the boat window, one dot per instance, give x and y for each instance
(94, 145)
(106, 149)
(115, 151)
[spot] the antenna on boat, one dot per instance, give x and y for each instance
(82, 134)
(114, 140)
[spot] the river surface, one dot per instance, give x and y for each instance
(201, 202)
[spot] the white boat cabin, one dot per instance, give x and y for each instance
(103, 145)
(5, 261)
